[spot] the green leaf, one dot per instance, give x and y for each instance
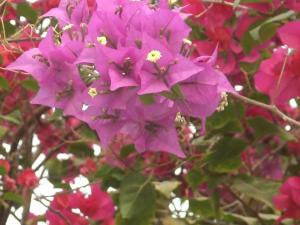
(8, 29)
(257, 188)
(194, 178)
(30, 84)
(215, 199)
(137, 197)
(255, 32)
(24, 9)
(147, 99)
(267, 31)
(133, 221)
(86, 132)
(58, 113)
(263, 128)
(111, 177)
(232, 217)
(56, 170)
(81, 150)
(3, 131)
(172, 221)
(127, 150)
(4, 84)
(2, 170)
(174, 94)
(250, 68)
(203, 207)
(225, 156)
(166, 187)
(248, 43)
(13, 197)
(14, 117)
(233, 113)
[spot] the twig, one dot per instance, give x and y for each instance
(262, 222)
(271, 108)
(17, 40)
(56, 212)
(268, 156)
(227, 3)
(20, 132)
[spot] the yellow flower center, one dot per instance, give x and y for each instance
(93, 92)
(102, 40)
(154, 56)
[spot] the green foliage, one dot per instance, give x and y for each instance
(228, 120)
(56, 170)
(30, 84)
(4, 83)
(81, 150)
(263, 128)
(202, 207)
(24, 9)
(137, 197)
(257, 188)
(13, 197)
(166, 187)
(13, 117)
(225, 155)
(2, 171)
(3, 131)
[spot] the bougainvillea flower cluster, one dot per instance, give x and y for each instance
(278, 76)
(124, 68)
(288, 198)
(98, 206)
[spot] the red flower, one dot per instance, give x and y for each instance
(5, 164)
(27, 178)
(63, 204)
(279, 77)
(288, 200)
(88, 167)
(9, 183)
(293, 5)
(98, 206)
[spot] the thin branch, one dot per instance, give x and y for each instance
(17, 40)
(271, 108)
(228, 4)
(56, 212)
(267, 156)
(262, 222)
(23, 129)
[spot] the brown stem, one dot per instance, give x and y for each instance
(22, 130)
(17, 40)
(271, 108)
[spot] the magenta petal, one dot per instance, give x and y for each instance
(151, 84)
(118, 81)
(27, 62)
(182, 71)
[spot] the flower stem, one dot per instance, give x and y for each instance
(271, 108)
